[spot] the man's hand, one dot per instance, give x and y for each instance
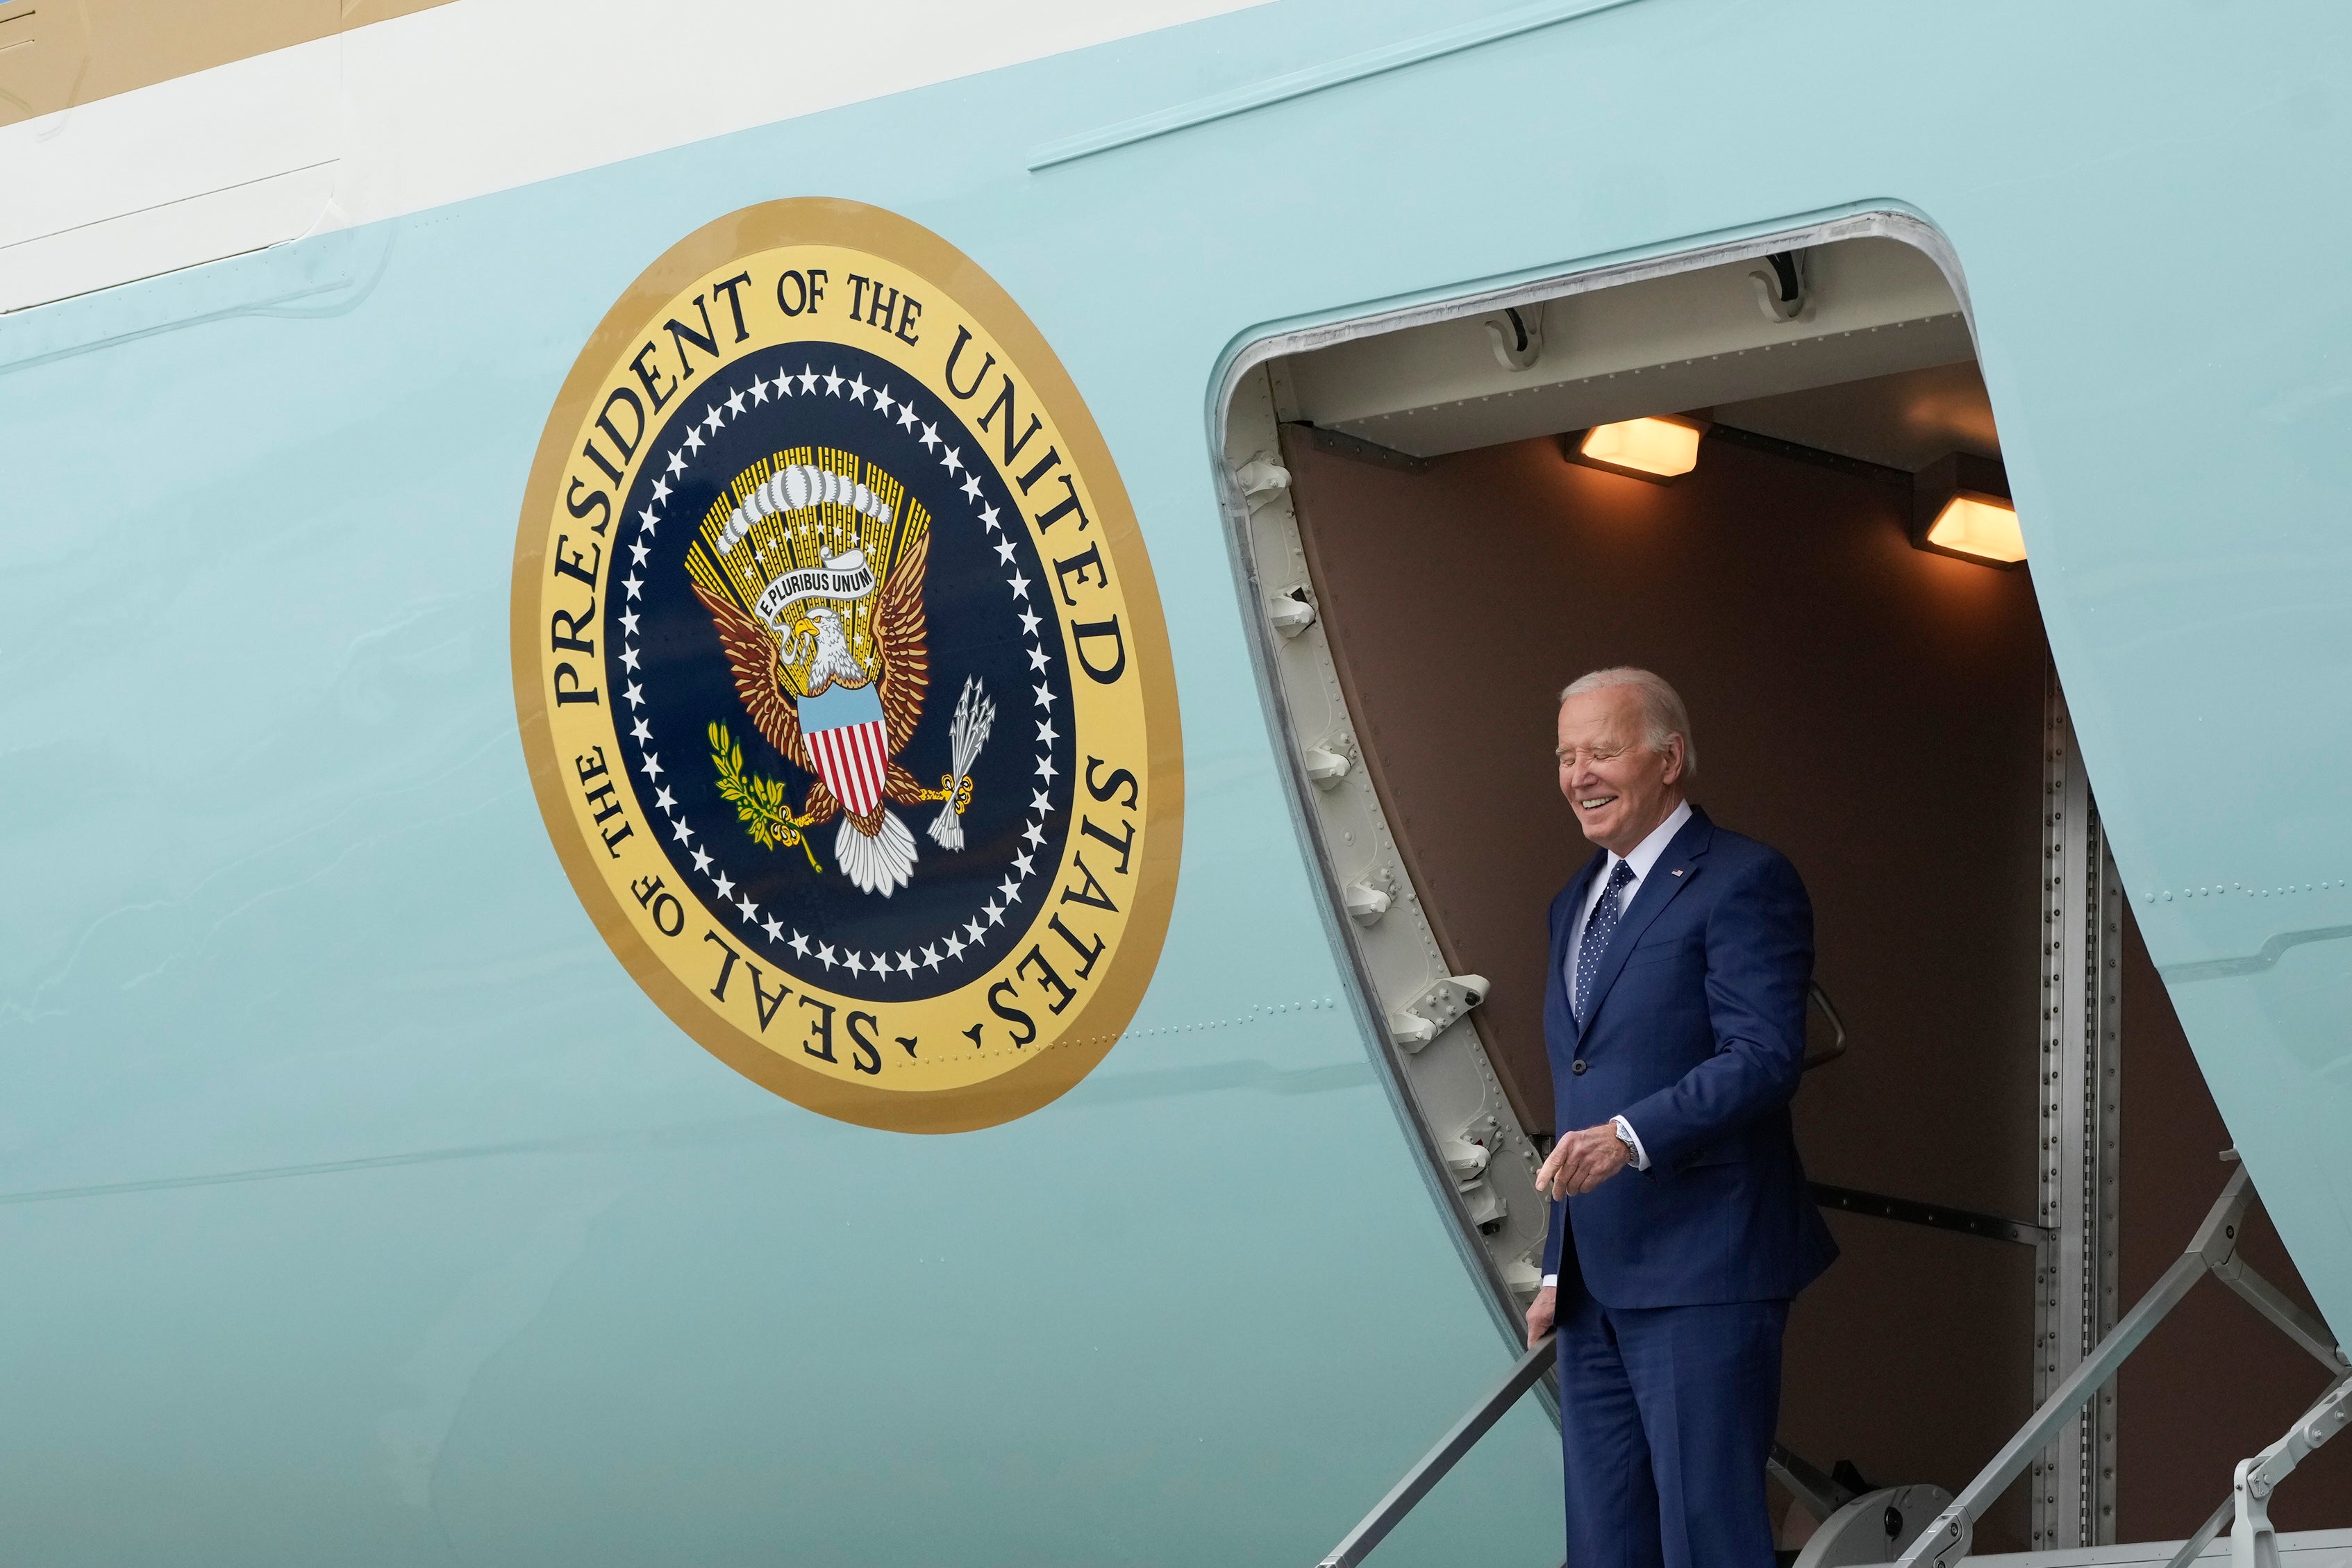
(1580, 1162)
(1539, 1313)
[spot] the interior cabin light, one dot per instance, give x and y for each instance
(1660, 449)
(1960, 506)
(1981, 526)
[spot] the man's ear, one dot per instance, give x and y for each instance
(1674, 753)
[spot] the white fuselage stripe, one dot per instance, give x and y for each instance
(461, 100)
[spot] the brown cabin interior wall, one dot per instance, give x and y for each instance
(1875, 712)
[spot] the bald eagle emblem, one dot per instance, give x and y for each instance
(811, 566)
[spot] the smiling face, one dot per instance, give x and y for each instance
(1619, 787)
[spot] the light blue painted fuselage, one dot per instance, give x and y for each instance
(354, 1203)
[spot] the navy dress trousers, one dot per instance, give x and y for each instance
(1674, 1280)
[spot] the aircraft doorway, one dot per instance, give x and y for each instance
(1435, 541)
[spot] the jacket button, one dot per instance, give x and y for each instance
(1577, 1065)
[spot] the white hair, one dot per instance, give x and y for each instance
(1662, 712)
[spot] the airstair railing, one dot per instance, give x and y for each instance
(2247, 1510)
(1822, 1493)
(1431, 1468)
(2212, 1250)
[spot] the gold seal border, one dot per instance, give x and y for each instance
(1086, 1037)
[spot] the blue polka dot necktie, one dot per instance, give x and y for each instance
(1597, 933)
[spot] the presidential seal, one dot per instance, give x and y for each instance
(842, 677)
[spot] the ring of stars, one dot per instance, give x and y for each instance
(971, 936)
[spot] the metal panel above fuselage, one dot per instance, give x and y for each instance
(1690, 339)
(465, 1247)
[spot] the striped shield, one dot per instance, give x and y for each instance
(850, 743)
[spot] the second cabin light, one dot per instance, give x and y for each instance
(1984, 527)
(1660, 449)
(1960, 506)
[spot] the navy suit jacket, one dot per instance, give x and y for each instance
(1695, 1035)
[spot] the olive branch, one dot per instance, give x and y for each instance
(758, 801)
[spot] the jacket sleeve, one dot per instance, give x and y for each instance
(1555, 1234)
(1760, 961)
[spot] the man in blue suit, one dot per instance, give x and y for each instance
(1681, 1227)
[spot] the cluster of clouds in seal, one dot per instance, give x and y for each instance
(797, 488)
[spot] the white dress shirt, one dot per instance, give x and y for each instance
(1645, 855)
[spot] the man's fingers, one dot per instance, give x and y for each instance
(1573, 1166)
(1541, 1315)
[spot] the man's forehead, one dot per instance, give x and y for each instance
(1606, 708)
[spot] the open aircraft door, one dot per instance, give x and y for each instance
(1442, 515)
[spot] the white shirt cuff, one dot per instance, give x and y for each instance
(1552, 1281)
(1633, 1141)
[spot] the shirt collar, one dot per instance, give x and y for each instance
(1645, 854)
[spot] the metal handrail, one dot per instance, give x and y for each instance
(1820, 1493)
(2212, 1250)
(1433, 1466)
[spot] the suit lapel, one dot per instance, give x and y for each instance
(1676, 869)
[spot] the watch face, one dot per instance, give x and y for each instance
(842, 674)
